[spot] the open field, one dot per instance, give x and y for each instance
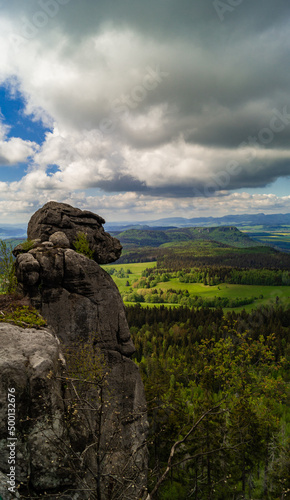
(136, 272)
(264, 295)
(278, 236)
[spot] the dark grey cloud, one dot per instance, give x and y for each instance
(122, 183)
(231, 64)
(168, 18)
(225, 82)
(260, 174)
(254, 174)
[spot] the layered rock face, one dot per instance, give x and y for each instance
(107, 427)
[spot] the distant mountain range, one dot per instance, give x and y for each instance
(225, 235)
(19, 230)
(227, 220)
(13, 231)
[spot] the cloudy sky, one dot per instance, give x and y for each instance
(139, 110)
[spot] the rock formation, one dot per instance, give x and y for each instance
(76, 296)
(101, 423)
(54, 217)
(27, 356)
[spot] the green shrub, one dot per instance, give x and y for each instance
(81, 245)
(27, 245)
(85, 361)
(85, 369)
(8, 281)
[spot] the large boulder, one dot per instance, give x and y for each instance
(60, 217)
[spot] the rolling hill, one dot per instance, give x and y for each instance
(228, 235)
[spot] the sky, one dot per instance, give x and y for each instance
(141, 110)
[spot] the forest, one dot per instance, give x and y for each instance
(216, 375)
(204, 253)
(217, 384)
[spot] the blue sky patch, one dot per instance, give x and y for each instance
(22, 126)
(280, 187)
(13, 173)
(52, 169)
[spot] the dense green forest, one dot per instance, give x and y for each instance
(231, 374)
(216, 382)
(201, 253)
(205, 254)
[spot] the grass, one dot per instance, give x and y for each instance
(205, 291)
(136, 270)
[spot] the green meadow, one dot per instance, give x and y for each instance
(264, 295)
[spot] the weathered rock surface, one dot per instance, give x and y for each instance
(82, 305)
(64, 451)
(27, 356)
(76, 296)
(54, 217)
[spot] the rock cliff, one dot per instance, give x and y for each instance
(95, 411)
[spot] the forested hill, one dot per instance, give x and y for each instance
(228, 235)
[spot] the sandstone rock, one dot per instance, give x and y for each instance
(27, 356)
(59, 217)
(61, 452)
(47, 244)
(126, 414)
(76, 296)
(28, 269)
(82, 306)
(59, 239)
